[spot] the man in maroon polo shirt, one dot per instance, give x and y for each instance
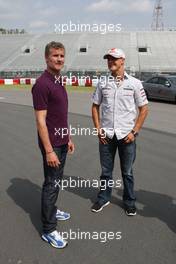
(51, 110)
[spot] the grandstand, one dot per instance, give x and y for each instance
(147, 52)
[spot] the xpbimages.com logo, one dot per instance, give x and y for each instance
(81, 79)
(84, 131)
(82, 27)
(79, 131)
(102, 236)
(86, 183)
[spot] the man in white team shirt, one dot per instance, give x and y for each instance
(120, 96)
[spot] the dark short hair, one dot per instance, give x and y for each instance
(54, 45)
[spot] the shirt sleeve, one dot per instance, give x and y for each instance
(40, 96)
(97, 95)
(140, 95)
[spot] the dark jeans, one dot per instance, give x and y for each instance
(50, 189)
(127, 154)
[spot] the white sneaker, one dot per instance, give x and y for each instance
(62, 216)
(55, 239)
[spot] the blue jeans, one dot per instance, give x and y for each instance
(127, 154)
(50, 189)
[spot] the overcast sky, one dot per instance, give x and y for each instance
(41, 15)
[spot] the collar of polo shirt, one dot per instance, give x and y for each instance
(111, 79)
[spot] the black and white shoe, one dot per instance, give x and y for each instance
(130, 211)
(97, 207)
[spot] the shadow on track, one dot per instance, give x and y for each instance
(157, 205)
(27, 195)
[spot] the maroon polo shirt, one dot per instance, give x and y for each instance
(49, 94)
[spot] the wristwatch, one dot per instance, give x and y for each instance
(135, 133)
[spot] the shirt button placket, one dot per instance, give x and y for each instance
(115, 110)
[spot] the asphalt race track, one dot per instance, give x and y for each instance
(148, 238)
